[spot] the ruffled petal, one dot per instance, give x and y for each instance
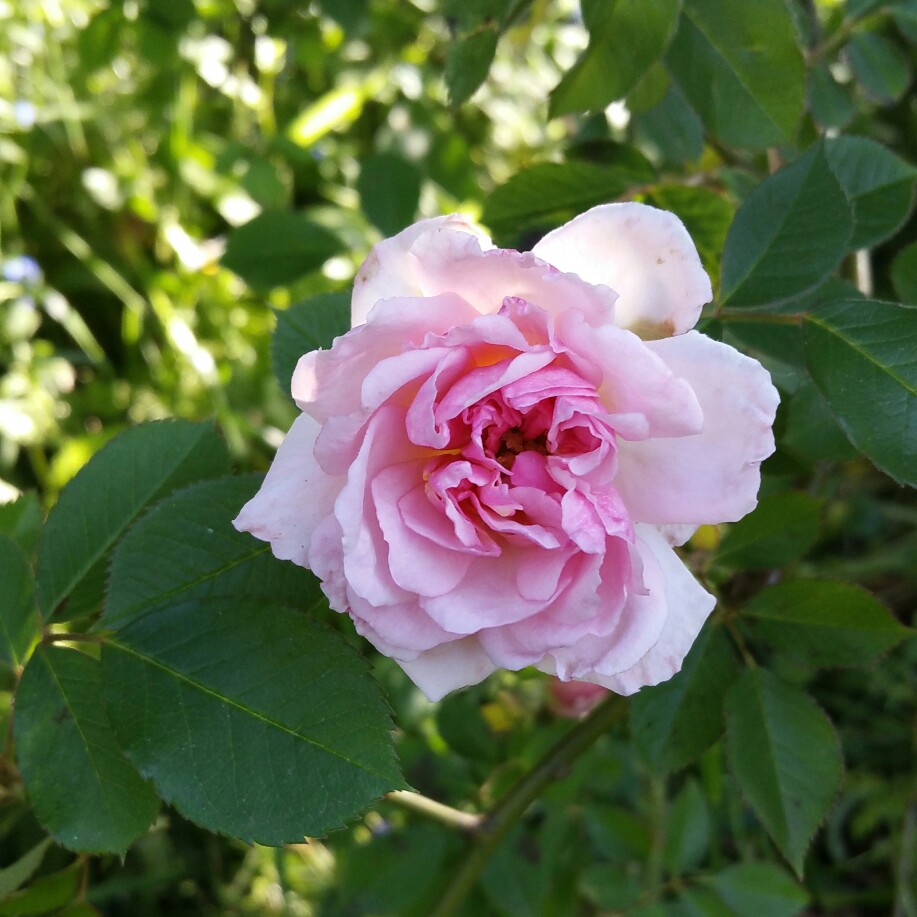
(449, 666)
(645, 255)
(712, 476)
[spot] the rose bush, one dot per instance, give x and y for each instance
(492, 466)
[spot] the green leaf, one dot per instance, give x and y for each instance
(18, 618)
(389, 188)
(20, 871)
(743, 73)
(825, 623)
(83, 789)
(278, 247)
(878, 184)
(134, 469)
(547, 194)
(785, 756)
(21, 520)
(904, 274)
(788, 236)
(863, 357)
(186, 547)
(309, 325)
(687, 835)
(879, 67)
(811, 429)
(831, 103)
(699, 902)
(249, 718)
(759, 890)
(46, 894)
(671, 129)
(706, 216)
(625, 39)
(781, 529)
(468, 62)
(675, 722)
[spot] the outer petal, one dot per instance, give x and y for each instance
(295, 497)
(392, 268)
(688, 607)
(449, 666)
(645, 254)
(713, 476)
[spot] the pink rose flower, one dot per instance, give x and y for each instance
(492, 466)
(574, 699)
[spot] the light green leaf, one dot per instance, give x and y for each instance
(759, 890)
(781, 529)
(625, 39)
(785, 756)
(788, 236)
(879, 66)
(309, 325)
(549, 193)
(46, 894)
(20, 871)
(879, 185)
(278, 247)
(743, 73)
(187, 547)
(389, 188)
(83, 789)
(825, 623)
(132, 470)
(904, 274)
(249, 718)
(675, 722)
(863, 357)
(18, 618)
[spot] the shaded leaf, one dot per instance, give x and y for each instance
(249, 718)
(785, 756)
(811, 429)
(759, 890)
(904, 274)
(83, 789)
(131, 471)
(879, 67)
(468, 62)
(278, 247)
(389, 188)
(788, 236)
(18, 618)
(21, 520)
(187, 547)
(825, 623)
(20, 871)
(863, 357)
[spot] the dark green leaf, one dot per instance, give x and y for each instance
(20, 871)
(549, 193)
(83, 789)
(811, 429)
(389, 188)
(468, 62)
(825, 623)
(673, 723)
(687, 835)
(781, 529)
(879, 185)
(904, 274)
(187, 547)
(309, 325)
(863, 357)
(278, 247)
(831, 103)
(18, 617)
(625, 39)
(788, 236)
(786, 757)
(46, 894)
(879, 67)
(759, 890)
(743, 73)
(671, 129)
(699, 902)
(21, 520)
(132, 470)
(249, 718)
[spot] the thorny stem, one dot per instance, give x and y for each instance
(512, 806)
(438, 811)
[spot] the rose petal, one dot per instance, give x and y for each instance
(645, 255)
(713, 476)
(449, 666)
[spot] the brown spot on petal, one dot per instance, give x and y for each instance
(653, 331)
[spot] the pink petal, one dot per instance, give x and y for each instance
(294, 498)
(393, 269)
(449, 666)
(645, 255)
(712, 476)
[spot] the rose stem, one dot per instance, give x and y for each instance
(452, 818)
(512, 806)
